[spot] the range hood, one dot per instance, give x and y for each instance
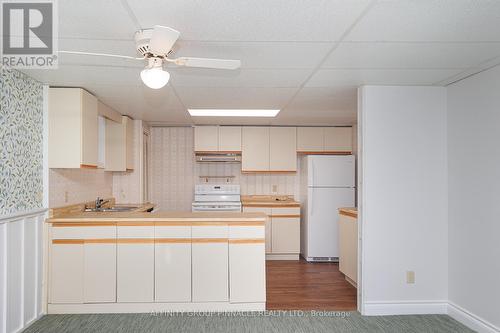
(218, 157)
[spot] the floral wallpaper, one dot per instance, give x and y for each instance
(21, 142)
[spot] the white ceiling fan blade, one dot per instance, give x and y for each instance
(162, 40)
(207, 63)
(101, 55)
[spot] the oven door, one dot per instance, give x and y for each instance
(216, 206)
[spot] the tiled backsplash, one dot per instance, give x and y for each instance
(251, 184)
(72, 186)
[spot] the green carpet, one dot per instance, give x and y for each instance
(270, 322)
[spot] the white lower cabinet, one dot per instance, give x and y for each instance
(268, 227)
(173, 271)
(172, 263)
(247, 272)
(210, 270)
(286, 235)
(66, 272)
(99, 284)
(135, 264)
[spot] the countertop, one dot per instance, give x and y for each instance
(349, 211)
(268, 201)
(159, 217)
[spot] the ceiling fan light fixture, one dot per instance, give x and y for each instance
(155, 78)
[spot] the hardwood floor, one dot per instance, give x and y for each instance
(299, 285)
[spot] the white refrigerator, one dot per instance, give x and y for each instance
(327, 184)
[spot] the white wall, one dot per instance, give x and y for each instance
(403, 198)
(474, 195)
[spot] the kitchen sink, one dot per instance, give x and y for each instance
(113, 209)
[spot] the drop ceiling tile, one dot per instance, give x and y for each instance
(357, 77)
(273, 55)
(316, 117)
(429, 20)
(235, 98)
(324, 99)
(76, 75)
(119, 47)
(259, 20)
(141, 102)
(411, 55)
(198, 77)
(95, 19)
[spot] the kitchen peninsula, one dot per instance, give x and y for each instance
(111, 262)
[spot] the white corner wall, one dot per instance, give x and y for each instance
(403, 199)
(474, 200)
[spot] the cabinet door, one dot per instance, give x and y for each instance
(348, 247)
(268, 227)
(206, 138)
(172, 264)
(286, 234)
(338, 139)
(89, 129)
(210, 270)
(135, 263)
(230, 138)
(66, 271)
(255, 149)
(310, 139)
(115, 147)
(100, 271)
(283, 149)
(129, 142)
(247, 272)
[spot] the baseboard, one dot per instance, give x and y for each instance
(405, 308)
(154, 307)
(470, 320)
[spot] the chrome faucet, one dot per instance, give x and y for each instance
(99, 202)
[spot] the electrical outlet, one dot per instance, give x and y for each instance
(65, 196)
(410, 277)
(275, 189)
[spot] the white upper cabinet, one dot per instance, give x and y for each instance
(217, 138)
(255, 149)
(282, 149)
(330, 140)
(230, 138)
(73, 128)
(338, 139)
(206, 138)
(310, 139)
(119, 141)
(128, 124)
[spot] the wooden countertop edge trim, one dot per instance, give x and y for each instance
(346, 213)
(285, 216)
(209, 240)
(328, 152)
(265, 205)
(159, 241)
(151, 224)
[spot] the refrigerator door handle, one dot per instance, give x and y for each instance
(312, 172)
(312, 201)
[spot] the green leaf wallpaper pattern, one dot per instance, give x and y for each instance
(21, 142)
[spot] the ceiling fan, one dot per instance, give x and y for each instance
(155, 45)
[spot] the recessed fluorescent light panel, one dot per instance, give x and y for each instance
(232, 113)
